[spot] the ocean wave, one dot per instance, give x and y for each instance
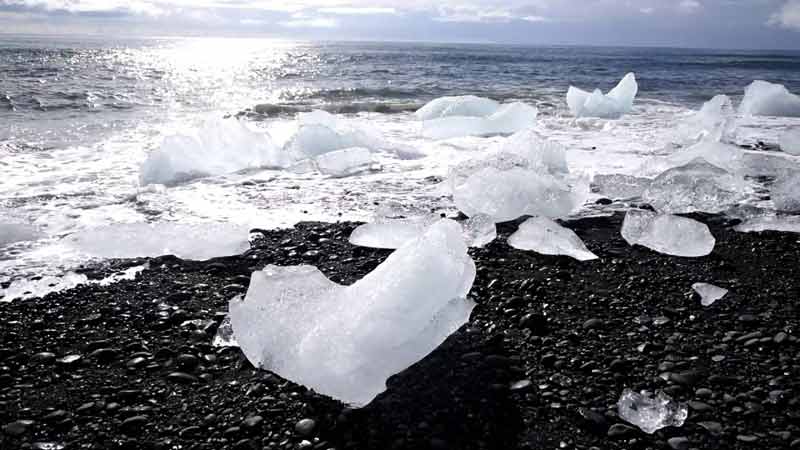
(278, 110)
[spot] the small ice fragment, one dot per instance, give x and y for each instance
(790, 142)
(668, 234)
(762, 98)
(479, 230)
(345, 341)
(785, 192)
(696, 186)
(224, 336)
(342, 163)
(615, 104)
(651, 414)
(709, 293)
(716, 121)
(621, 186)
(391, 233)
(547, 237)
(218, 147)
(464, 106)
(789, 224)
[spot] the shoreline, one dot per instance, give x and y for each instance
(550, 347)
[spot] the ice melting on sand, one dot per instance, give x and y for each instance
(342, 163)
(668, 234)
(785, 192)
(650, 413)
(696, 186)
(790, 142)
(219, 147)
(716, 121)
(762, 98)
(509, 118)
(463, 106)
(479, 230)
(709, 293)
(620, 185)
(49, 284)
(545, 236)
(345, 341)
(187, 241)
(527, 174)
(615, 104)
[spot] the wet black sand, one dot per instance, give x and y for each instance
(144, 379)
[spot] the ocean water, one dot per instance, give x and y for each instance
(78, 116)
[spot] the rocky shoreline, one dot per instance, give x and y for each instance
(549, 349)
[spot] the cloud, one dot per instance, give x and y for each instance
(788, 16)
(355, 11)
(689, 6)
(300, 20)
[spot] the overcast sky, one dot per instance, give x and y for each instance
(686, 23)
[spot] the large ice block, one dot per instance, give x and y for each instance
(696, 186)
(464, 106)
(762, 98)
(785, 192)
(615, 104)
(668, 234)
(219, 147)
(508, 119)
(345, 341)
(391, 233)
(715, 121)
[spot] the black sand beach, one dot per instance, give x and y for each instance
(549, 349)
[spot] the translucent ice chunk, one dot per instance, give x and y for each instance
(342, 163)
(507, 119)
(345, 341)
(709, 293)
(545, 236)
(621, 186)
(224, 336)
(762, 98)
(218, 147)
(790, 224)
(188, 241)
(668, 234)
(320, 132)
(615, 104)
(391, 233)
(507, 194)
(464, 106)
(649, 413)
(716, 121)
(696, 186)
(785, 192)
(479, 230)
(526, 174)
(790, 141)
